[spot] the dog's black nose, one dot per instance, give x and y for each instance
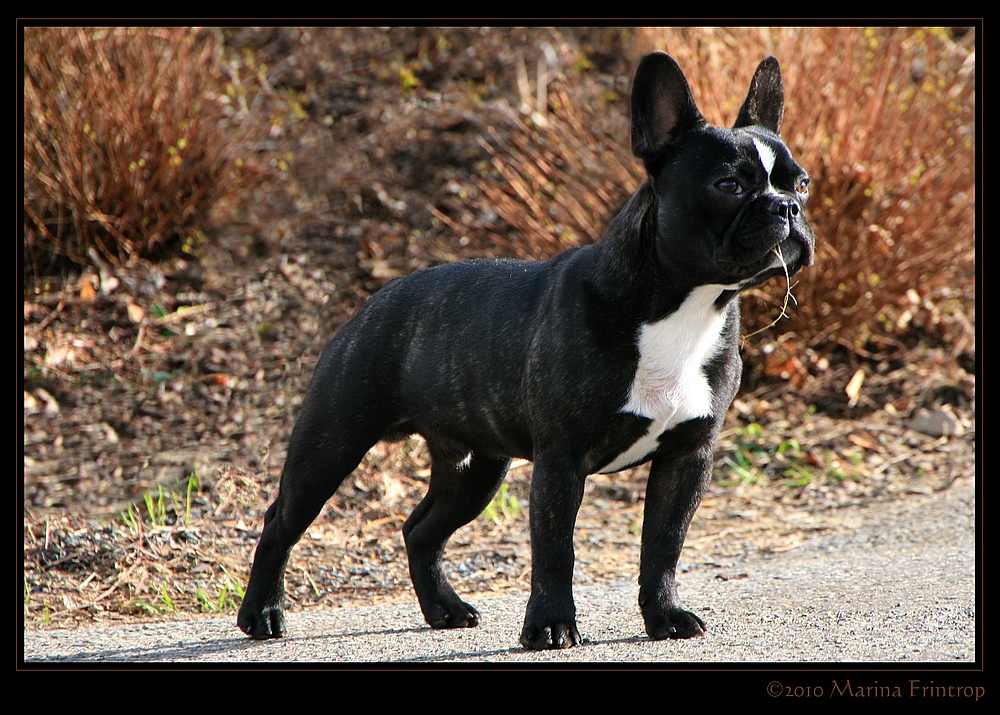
(786, 209)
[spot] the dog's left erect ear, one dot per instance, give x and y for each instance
(663, 108)
(765, 103)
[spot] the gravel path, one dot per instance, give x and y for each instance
(896, 586)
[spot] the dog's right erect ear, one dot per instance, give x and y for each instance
(765, 103)
(663, 108)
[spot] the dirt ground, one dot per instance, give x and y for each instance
(136, 381)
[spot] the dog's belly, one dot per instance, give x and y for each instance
(670, 385)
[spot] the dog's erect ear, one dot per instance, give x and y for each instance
(765, 102)
(663, 108)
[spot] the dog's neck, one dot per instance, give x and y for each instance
(628, 265)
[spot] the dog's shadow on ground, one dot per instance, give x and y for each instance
(311, 648)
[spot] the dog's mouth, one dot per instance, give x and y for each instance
(805, 243)
(770, 236)
(784, 257)
(789, 255)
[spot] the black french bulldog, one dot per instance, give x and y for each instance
(600, 359)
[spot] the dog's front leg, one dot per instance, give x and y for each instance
(676, 484)
(556, 493)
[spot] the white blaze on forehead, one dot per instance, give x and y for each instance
(766, 154)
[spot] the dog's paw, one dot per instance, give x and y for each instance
(559, 635)
(453, 615)
(675, 623)
(261, 624)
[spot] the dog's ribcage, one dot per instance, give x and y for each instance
(670, 385)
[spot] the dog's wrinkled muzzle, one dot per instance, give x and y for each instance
(789, 211)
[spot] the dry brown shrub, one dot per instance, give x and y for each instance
(882, 118)
(542, 193)
(563, 173)
(128, 142)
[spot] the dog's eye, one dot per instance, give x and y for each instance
(803, 186)
(729, 186)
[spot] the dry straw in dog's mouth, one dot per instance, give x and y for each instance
(788, 297)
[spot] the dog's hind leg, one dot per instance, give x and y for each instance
(458, 493)
(315, 467)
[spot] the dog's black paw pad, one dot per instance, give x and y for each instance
(458, 615)
(676, 624)
(560, 635)
(263, 624)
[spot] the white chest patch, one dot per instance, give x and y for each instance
(670, 385)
